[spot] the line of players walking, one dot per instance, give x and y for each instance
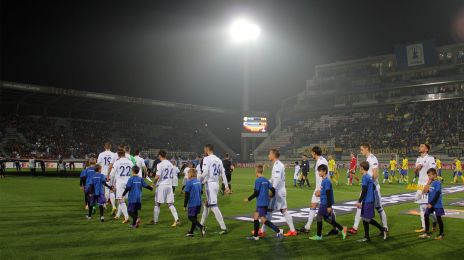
(393, 172)
(118, 177)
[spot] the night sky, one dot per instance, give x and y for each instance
(178, 50)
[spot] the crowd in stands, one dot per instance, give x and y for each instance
(394, 126)
(51, 138)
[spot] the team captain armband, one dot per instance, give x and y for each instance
(413, 186)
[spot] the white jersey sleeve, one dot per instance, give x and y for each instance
(373, 164)
(320, 161)
(278, 176)
(297, 171)
(427, 162)
(175, 176)
(115, 157)
(140, 163)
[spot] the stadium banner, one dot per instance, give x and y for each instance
(48, 165)
(415, 54)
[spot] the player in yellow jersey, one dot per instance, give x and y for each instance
(438, 163)
(404, 170)
(393, 166)
(332, 170)
(458, 170)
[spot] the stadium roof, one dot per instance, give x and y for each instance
(52, 101)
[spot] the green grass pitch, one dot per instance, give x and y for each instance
(43, 217)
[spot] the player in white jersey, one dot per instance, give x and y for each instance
(199, 168)
(140, 163)
(373, 171)
(175, 176)
(164, 194)
(212, 168)
(104, 159)
(423, 163)
(186, 170)
(296, 174)
(316, 153)
(121, 172)
(279, 201)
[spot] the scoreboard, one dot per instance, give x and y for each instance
(254, 126)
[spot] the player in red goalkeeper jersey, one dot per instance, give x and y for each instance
(352, 170)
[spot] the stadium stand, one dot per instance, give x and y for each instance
(46, 122)
(375, 100)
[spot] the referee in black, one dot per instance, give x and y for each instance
(229, 168)
(304, 170)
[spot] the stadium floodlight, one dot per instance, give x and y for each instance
(243, 30)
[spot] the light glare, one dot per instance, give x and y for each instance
(242, 31)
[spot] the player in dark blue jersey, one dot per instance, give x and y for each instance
(325, 206)
(82, 185)
(192, 199)
(96, 192)
(435, 204)
(134, 187)
(385, 175)
(86, 180)
(261, 193)
(366, 203)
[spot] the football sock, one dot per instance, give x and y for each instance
(366, 229)
(174, 212)
(357, 219)
(113, 200)
(119, 212)
(195, 223)
(440, 225)
(193, 226)
(383, 216)
(331, 220)
(101, 210)
(204, 215)
(255, 227)
(268, 216)
(289, 220)
(272, 226)
(319, 228)
(422, 209)
(156, 213)
(134, 216)
(90, 210)
(427, 223)
(123, 207)
(312, 213)
(218, 215)
(375, 224)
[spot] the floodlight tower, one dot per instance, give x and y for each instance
(245, 33)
